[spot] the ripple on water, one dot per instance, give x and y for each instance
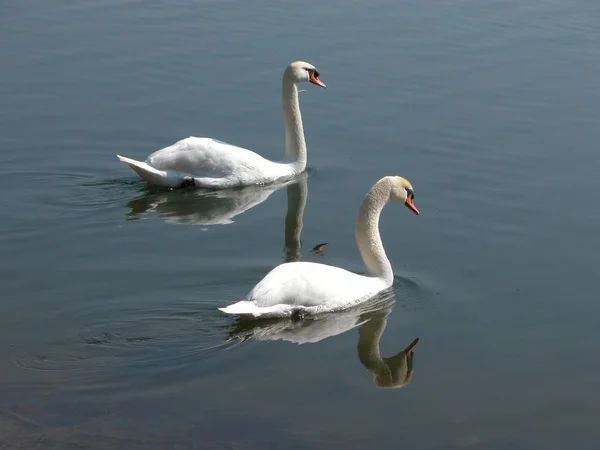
(64, 195)
(113, 347)
(117, 354)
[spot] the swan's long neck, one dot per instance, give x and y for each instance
(367, 231)
(295, 146)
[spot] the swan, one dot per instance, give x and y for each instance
(310, 288)
(208, 163)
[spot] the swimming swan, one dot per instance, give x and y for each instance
(310, 288)
(208, 163)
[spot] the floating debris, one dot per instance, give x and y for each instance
(319, 248)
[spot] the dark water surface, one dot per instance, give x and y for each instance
(109, 330)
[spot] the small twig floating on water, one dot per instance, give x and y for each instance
(319, 248)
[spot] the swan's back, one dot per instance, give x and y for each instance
(312, 285)
(207, 157)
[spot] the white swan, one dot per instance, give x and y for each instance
(310, 288)
(208, 163)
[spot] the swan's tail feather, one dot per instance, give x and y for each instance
(241, 308)
(150, 174)
(249, 309)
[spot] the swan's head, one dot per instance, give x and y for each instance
(402, 191)
(300, 71)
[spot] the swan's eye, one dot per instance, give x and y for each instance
(410, 194)
(316, 72)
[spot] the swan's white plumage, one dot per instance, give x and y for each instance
(211, 163)
(314, 288)
(310, 287)
(222, 165)
(152, 175)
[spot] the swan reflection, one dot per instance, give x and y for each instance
(201, 207)
(371, 319)
(393, 372)
(297, 193)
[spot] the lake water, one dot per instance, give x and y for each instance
(108, 322)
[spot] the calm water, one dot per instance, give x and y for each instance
(108, 322)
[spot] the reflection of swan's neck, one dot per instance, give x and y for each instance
(367, 231)
(295, 146)
(393, 372)
(369, 336)
(296, 196)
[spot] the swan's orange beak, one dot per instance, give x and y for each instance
(315, 80)
(410, 205)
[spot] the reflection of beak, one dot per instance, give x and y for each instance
(410, 205)
(315, 80)
(411, 347)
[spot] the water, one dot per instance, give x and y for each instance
(109, 328)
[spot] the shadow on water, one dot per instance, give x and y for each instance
(371, 318)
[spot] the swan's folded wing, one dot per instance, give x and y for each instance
(305, 284)
(207, 157)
